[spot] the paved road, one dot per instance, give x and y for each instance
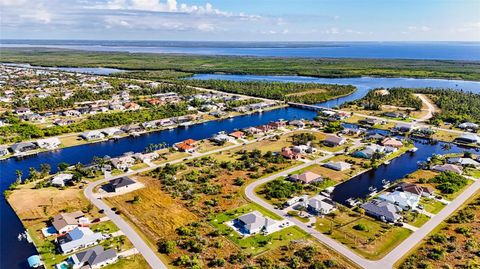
(129, 232)
(384, 119)
(430, 107)
(402, 249)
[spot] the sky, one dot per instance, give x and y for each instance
(242, 20)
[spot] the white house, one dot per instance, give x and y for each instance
(4, 151)
(92, 135)
(49, 143)
(78, 238)
(61, 179)
(254, 222)
(320, 205)
(339, 166)
(405, 200)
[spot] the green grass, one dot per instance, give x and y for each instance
(105, 227)
(419, 220)
(373, 243)
(431, 205)
(132, 262)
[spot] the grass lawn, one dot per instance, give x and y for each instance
(474, 173)
(139, 166)
(373, 243)
(420, 220)
(104, 227)
(431, 205)
(131, 262)
(336, 176)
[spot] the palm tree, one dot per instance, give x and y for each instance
(19, 175)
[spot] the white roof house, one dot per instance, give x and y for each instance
(90, 135)
(464, 161)
(254, 222)
(339, 166)
(61, 179)
(405, 200)
(320, 205)
(49, 143)
(78, 238)
(112, 131)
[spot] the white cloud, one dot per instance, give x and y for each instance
(421, 28)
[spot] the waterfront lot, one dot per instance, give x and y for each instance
(373, 241)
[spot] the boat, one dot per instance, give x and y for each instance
(372, 190)
(386, 183)
(386, 162)
(353, 202)
(414, 149)
(185, 124)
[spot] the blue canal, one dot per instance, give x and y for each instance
(13, 253)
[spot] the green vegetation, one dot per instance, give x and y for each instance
(280, 188)
(449, 182)
(166, 65)
(308, 93)
(401, 97)
(454, 244)
(18, 131)
(456, 106)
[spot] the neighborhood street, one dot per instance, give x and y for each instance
(390, 259)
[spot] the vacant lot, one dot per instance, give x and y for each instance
(373, 240)
(157, 214)
(454, 244)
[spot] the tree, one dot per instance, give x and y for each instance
(19, 175)
(63, 166)
(166, 246)
(45, 169)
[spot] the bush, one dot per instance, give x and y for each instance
(166, 247)
(360, 227)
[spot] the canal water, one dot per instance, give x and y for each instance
(13, 253)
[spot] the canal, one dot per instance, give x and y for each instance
(10, 225)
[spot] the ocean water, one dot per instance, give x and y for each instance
(383, 50)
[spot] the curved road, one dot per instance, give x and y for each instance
(391, 258)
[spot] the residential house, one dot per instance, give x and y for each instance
(463, 161)
(338, 166)
(78, 238)
(121, 184)
(352, 131)
(369, 151)
(304, 149)
(66, 222)
(146, 157)
(290, 154)
(131, 106)
(306, 177)
(334, 141)
(403, 127)
(369, 122)
(468, 139)
(297, 123)
(447, 167)
(112, 131)
(320, 205)
(469, 126)
(221, 138)
(92, 135)
(132, 128)
(237, 134)
(405, 200)
(277, 124)
(61, 180)
(382, 210)
(395, 115)
(72, 113)
(391, 142)
(21, 111)
(123, 162)
(417, 189)
(22, 147)
(94, 258)
(49, 143)
(375, 136)
(186, 146)
(252, 130)
(4, 151)
(254, 222)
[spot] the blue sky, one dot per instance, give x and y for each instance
(242, 20)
